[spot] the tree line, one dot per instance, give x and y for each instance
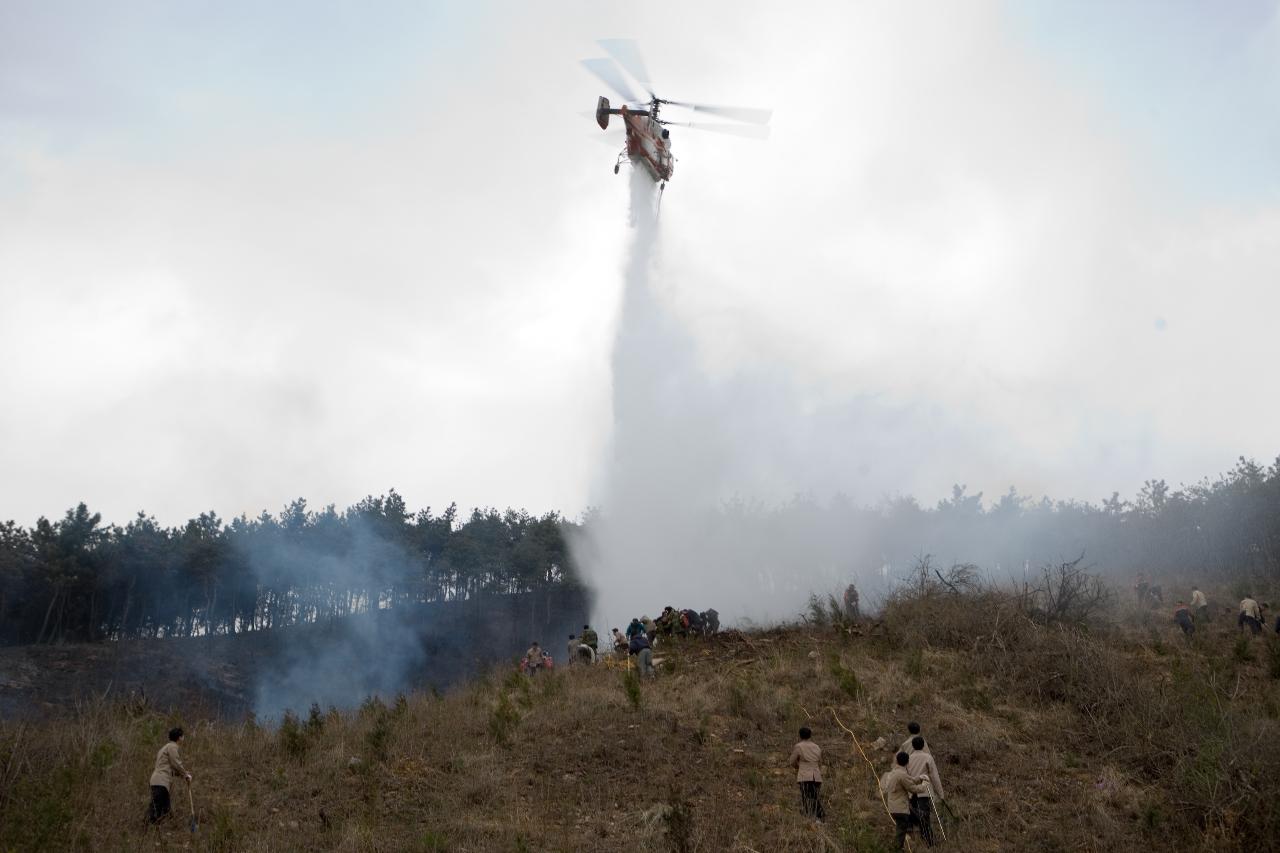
(78, 580)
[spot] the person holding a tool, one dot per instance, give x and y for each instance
(899, 786)
(921, 764)
(167, 764)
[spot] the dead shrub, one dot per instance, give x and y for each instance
(1068, 593)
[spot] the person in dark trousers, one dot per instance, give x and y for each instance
(1199, 604)
(899, 786)
(1182, 615)
(806, 758)
(920, 764)
(167, 765)
(1250, 615)
(532, 660)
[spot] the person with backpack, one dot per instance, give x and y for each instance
(692, 622)
(806, 758)
(668, 620)
(898, 787)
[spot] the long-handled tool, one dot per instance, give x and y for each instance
(192, 801)
(937, 813)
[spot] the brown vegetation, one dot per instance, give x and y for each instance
(1086, 727)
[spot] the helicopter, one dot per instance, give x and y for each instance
(648, 142)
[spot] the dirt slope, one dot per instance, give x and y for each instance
(589, 759)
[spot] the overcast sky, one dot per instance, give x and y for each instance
(250, 252)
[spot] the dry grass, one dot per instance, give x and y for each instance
(1107, 735)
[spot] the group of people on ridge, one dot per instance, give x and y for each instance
(909, 788)
(642, 635)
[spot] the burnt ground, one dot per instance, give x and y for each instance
(215, 674)
(334, 663)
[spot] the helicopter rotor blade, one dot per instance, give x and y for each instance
(608, 72)
(747, 114)
(745, 131)
(627, 54)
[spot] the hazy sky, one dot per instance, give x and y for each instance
(252, 252)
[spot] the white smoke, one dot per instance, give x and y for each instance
(678, 523)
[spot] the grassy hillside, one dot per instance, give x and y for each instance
(1070, 730)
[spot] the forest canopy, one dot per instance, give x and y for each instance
(78, 580)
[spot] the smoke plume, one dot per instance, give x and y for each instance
(679, 521)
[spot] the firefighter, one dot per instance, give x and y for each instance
(167, 766)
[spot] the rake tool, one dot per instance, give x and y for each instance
(194, 824)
